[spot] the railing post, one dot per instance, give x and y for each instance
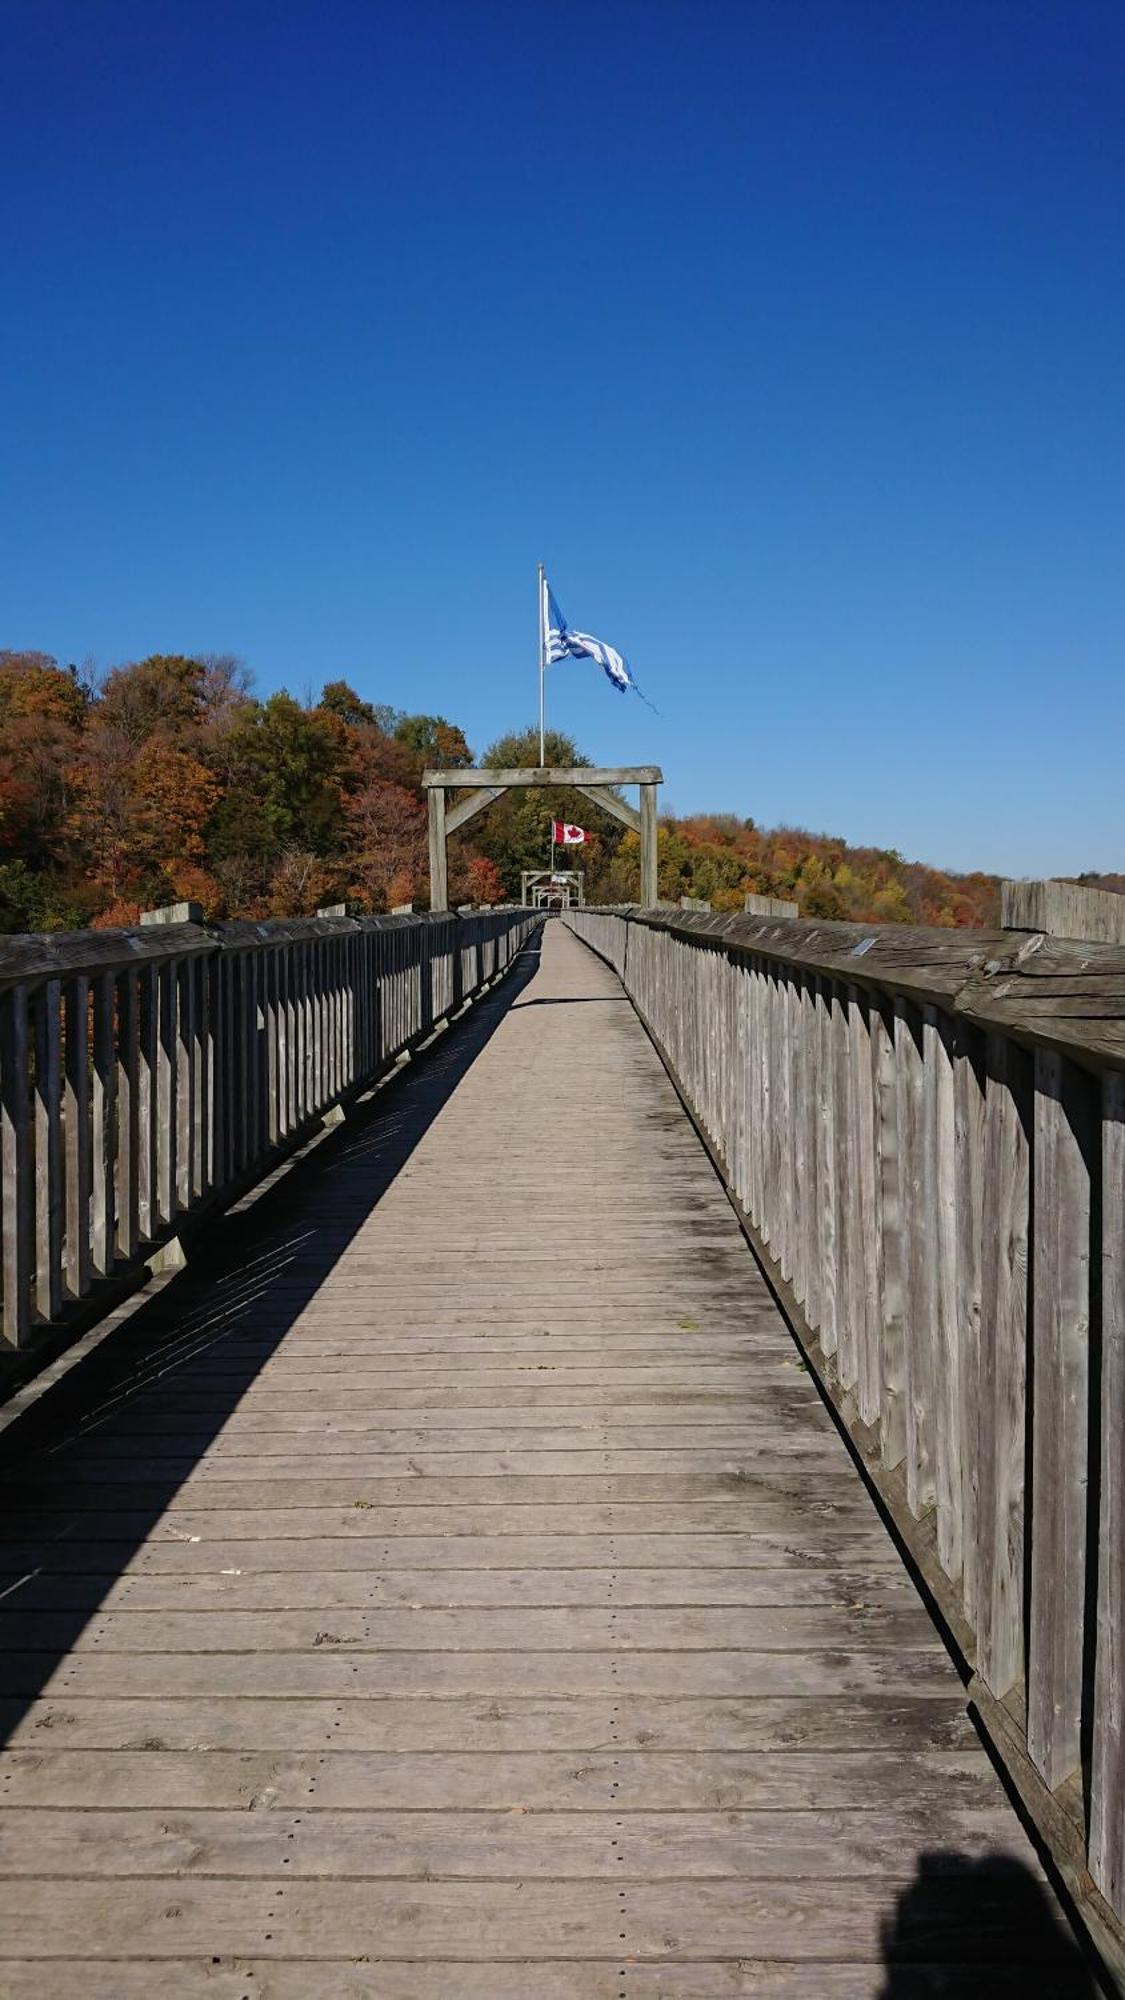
(76, 1118)
(16, 1163)
(1060, 1413)
(104, 1206)
(1003, 1367)
(128, 1112)
(48, 1150)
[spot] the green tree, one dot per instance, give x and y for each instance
(342, 700)
(284, 793)
(432, 740)
(21, 902)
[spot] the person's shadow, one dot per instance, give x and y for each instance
(969, 1927)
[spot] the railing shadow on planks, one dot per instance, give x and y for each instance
(149, 1077)
(924, 1134)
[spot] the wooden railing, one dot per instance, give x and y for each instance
(924, 1131)
(147, 1074)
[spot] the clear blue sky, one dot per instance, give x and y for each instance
(790, 334)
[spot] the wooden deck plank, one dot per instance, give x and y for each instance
(463, 1591)
(211, 1722)
(336, 1979)
(366, 1846)
(331, 1673)
(814, 1922)
(807, 1546)
(469, 1629)
(498, 1589)
(618, 1779)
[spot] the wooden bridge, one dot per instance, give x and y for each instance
(481, 1573)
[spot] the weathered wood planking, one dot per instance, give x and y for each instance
(589, 1979)
(1107, 1787)
(939, 1140)
(958, 1287)
(1001, 1431)
(203, 1057)
(1060, 1444)
(1063, 910)
(470, 779)
(436, 1602)
(888, 1271)
(917, 1222)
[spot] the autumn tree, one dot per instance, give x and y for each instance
(43, 711)
(138, 815)
(431, 740)
(34, 686)
(163, 695)
(388, 858)
(173, 780)
(475, 879)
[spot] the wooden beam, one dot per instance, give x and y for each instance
(640, 774)
(439, 876)
(610, 803)
(468, 808)
(770, 906)
(1063, 910)
(649, 890)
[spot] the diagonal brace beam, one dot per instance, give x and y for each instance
(470, 807)
(610, 803)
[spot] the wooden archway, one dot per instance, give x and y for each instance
(484, 785)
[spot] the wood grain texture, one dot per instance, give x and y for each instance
(447, 1604)
(439, 873)
(939, 1177)
(1003, 1367)
(1061, 1346)
(888, 1246)
(968, 1146)
(865, 1209)
(1063, 910)
(1107, 1788)
(917, 1223)
(960, 1199)
(586, 774)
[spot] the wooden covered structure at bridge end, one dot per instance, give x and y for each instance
(484, 785)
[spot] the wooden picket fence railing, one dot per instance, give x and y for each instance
(924, 1131)
(147, 1074)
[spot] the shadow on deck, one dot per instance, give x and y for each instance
(249, 1283)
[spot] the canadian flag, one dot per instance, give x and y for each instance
(567, 836)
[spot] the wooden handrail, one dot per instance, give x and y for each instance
(150, 1075)
(924, 1132)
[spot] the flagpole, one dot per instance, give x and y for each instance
(542, 666)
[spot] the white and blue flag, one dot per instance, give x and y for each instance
(560, 643)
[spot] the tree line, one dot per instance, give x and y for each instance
(171, 780)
